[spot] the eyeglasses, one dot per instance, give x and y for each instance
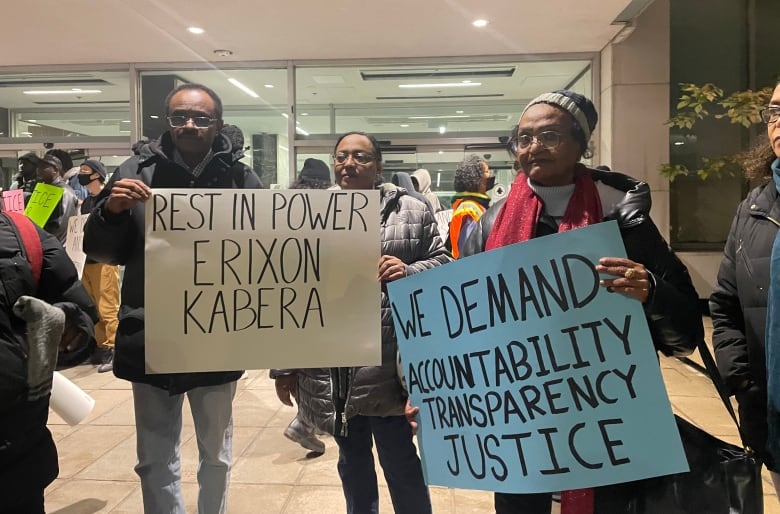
(770, 114)
(548, 139)
(178, 121)
(358, 157)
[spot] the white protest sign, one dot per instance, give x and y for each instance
(73, 242)
(252, 279)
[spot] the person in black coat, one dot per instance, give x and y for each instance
(195, 154)
(28, 456)
(554, 192)
(738, 303)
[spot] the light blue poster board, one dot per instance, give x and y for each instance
(530, 377)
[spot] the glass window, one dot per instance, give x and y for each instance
(65, 105)
(697, 57)
(254, 100)
(429, 99)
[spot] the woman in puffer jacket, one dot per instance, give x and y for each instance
(364, 405)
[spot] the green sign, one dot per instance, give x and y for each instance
(42, 203)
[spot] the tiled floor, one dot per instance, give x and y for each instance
(270, 474)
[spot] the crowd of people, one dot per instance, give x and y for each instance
(553, 191)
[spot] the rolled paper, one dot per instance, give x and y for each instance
(69, 401)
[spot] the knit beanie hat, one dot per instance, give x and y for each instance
(581, 108)
(96, 166)
(315, 169)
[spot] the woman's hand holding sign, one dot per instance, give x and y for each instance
(633, 281)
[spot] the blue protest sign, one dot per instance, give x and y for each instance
(530, 377)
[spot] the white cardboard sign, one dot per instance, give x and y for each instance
(253, 279)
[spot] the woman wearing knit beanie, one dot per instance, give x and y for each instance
(555, 192)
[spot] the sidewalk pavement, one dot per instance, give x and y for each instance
(270, 473)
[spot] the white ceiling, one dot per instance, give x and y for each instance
(42, 32)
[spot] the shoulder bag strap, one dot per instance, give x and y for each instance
(30, 240)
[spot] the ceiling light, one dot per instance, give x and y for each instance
(441, 152)
(243, 88)
(404, 125)
(154, 116)
(458, 112)
(223, 52)
(443, 84)
(63, 92)
(480, 23)
(269, 86)
(195, 30)
(442, 129)
(304, 114)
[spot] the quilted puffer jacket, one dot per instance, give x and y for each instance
(328, 398)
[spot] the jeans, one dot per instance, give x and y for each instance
(400, 464)
(538, 503)
(158, 433)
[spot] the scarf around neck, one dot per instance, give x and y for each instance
(517, 220)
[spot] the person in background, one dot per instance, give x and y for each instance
(422, 183)
(473, 179)
(746, 336)
(100, 280)
(315, 174)
(192, 153)
(404, 180)
(50, 172)
(364, 405)
(35, 319)
(70, 173)
(28, 173)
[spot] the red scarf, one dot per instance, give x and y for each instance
(517, 222)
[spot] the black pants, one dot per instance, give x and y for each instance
(506, 503)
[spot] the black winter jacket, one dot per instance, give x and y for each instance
(738, 308)
(672, 309)
(119, 239)
(328, 400)
(28, 457)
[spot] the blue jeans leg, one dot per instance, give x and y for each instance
(356, 468)
(212, 415)
(400, 464)
(158, 430)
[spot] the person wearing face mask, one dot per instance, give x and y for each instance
(100, 280)
(473, 179)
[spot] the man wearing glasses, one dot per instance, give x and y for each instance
(192, 153)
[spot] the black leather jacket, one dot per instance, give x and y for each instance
(672, 309)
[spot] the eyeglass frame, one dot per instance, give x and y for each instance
(188, 118)
(354, 156)
(768, 110)
(535, 139)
